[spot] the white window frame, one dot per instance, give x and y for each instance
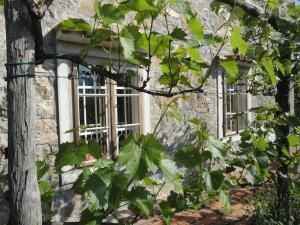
(113, 127)
(72, 43)
(246, 68)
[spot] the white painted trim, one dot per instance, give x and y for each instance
(146, 99)
(220, 102)
(65, 111)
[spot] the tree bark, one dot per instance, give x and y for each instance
(25, 203)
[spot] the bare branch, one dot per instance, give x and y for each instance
(255, 11)
(116, 77)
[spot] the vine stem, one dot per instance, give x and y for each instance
(163, 115)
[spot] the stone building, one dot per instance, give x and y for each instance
(63, 102)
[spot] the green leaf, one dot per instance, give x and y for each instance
(268, 65)
(130, 156)
(97, 7)
(280, 67)
(231, 69)
(111, 14)
(89, 217)
(94, 148)
(141, 199)
(196, 27)
(70, 154)
(273, 4)
(224, 199)
(138, 5)
(181, 6)
(46, 191)
(127, 42)
(42, 169)
(261, 144)
(252, 175)
(167, 212)
(188, 156)
(237, 42)
(170, 172)
(120, 180)
(150, 182)
(99, 36)
(214, 179)
(138, 151)
(178, 34)
(215, 147)
(98, 187)
(293, 140)
(79, 185)
(195, 54)
(73, 24)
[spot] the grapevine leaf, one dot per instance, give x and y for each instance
(141, 200)
(74, 24)
(196, 27)
(127, 42)
(170, 172)
(224, 199)
(42, 169)
(232, 70)
(188, 156)
(98, 187)
(138, 5)
(70, 154)
(293, 140)
(46, 191)
(237, 42)
(213, 179)
(97, 7)
(268, 65)
(178, 34)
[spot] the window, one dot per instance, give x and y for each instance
(108, 111)
(234, 104)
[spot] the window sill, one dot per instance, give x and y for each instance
(233, 137)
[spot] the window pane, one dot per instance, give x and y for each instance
(102, 110)
(81, 111)
(90, 105)
(127, 109)
(242, 107)
(243, 121)
(231, 124)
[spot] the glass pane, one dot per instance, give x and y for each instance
(243, 121)
(90, 105)
(101, 104)
(81, 111)
(100, 80)
(242, 86)
(231, 124)
(127, 110)
(242, 107)
(121, 110)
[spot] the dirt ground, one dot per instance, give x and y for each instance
(214, 215)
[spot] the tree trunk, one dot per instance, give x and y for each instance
(283, 210)
(25, 203)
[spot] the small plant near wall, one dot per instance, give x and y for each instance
(109, 185)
